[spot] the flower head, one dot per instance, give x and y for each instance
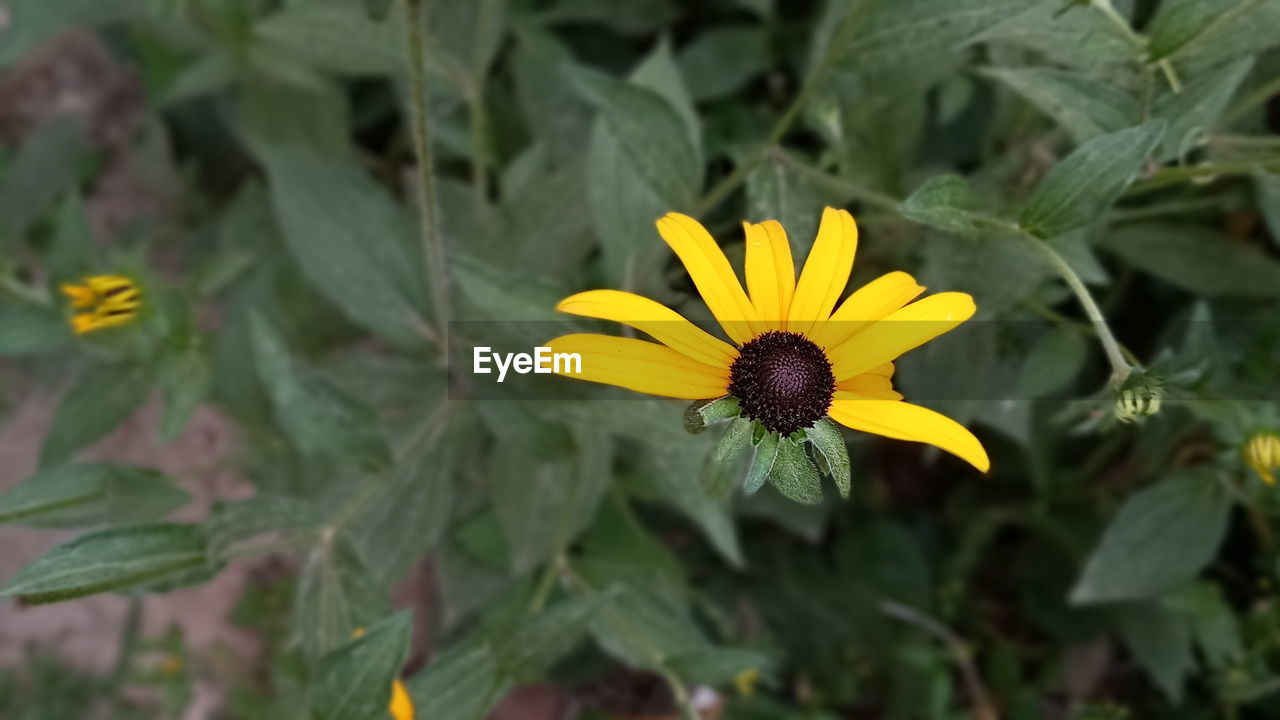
(794, 356)
(107, 301)
(1262, 453)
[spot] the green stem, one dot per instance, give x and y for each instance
(1175, 207)
(1248, 141)
(1165, 177)
(1109, 11)
(1120, 367)
(1250, 101)
(432, 244)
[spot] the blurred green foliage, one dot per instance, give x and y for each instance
(1029, 152)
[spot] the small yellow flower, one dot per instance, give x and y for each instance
(401, 707)
(1262, 453)
(108, 301)
(794, 357)
(746, 681)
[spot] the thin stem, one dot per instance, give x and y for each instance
(1171, 75)
(1120, 368)
(1165, 177)
(1174, 207)
(1089, 329)
(983, 707)
(432, 244)
(1248, 141)
(1109, 11)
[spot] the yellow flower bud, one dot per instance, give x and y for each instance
(1262, 453)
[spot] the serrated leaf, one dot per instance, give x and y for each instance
(353, 682)
(1084, 184)
(794, 474)
(102, 398)
(1162, 537)
(110, 559)
(336, 594)
(79, 494)
(1083, 106)
(1197, 259)
(650, 133)
(829, 444)
(460, 684)
(318, 419)
(352, 242)
(946, 202)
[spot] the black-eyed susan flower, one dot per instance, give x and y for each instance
(106, 301)
(796, 355)
(1262, 453)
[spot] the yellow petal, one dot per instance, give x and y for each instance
(871, 302)
(885, 370)
(903, 330)
(642, 366)
(107, 285)
(401, 707)
(665, 325)
(771, 274)
(904, 421)
(826, 271)
(712, 275)
(81, 296)
(872, 386)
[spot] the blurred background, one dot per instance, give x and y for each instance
(201, 506)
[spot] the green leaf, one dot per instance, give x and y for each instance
(32, 330)
(529, 650)
(775, 191)
(1083, 185)
(1213, 621)
(336, 595)
(1160, 640)
(319, 420)
(352, 242)
(184, 380)
(353, 682)
(110, 559)
(651, 134)
(1162, 537)
(1084, 107)
(716, 666)
(1267, 187)
(829, 444)
(1197, 34)
(1074, 35)
(102, 398)
(80, 494)
(543, 506)
(736, 438)
(1197, 259)
(1193, 111)
(720, 61)
(231, 523)
(794, 474)
(761, 469)
(946, 202)
(1055, 359)
(643, 630)
(702, 413)
(338, 38)
(460, 684)
(46, 164)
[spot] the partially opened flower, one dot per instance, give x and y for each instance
(794, 356)
(104, 301)
(1262, 453)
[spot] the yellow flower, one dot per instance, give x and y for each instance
(401, 707)
(1262, 453)
(795, 357)
(109, 301)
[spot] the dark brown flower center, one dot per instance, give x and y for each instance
(783, 380)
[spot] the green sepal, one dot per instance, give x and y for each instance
(831, 453)
(762, 464)
(702, 413)
(794, 474)
(735, 440)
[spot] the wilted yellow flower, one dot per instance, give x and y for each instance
(108, 301)
(795, 357)
(1262, 453)
(401, 707)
